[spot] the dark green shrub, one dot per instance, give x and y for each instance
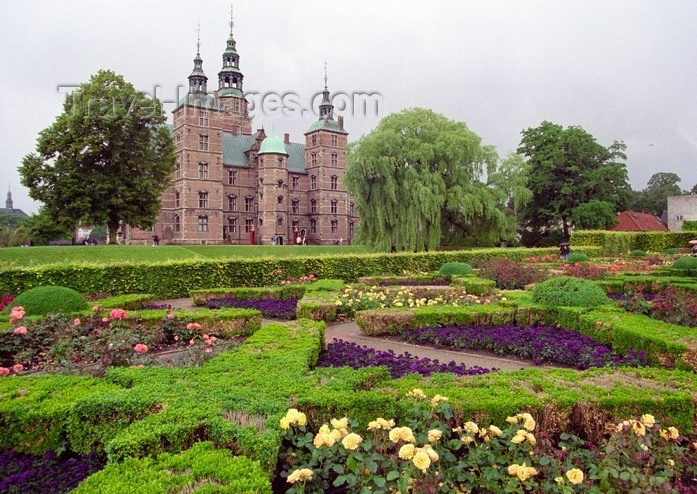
(47, 299)
(671, 251)
(451, 268)
(685, 265)
(567, 291)
(637, 253)
(578, 257)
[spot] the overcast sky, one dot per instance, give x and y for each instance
(622, 69)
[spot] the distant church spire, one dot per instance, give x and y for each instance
(8, 203)
(326, 109)
(197, 79)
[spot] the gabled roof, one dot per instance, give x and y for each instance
(236, 145)
(634, 221)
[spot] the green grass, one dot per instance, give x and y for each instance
(106, 254)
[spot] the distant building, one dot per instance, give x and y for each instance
(234, 185)
(634, 221)
(10, 210)
(681, 209)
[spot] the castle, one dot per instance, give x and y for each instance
(235, 186)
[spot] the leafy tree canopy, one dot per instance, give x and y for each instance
(568, 167)
(42, 229)
(654, 198)
(417, 172)
(105, 159)
(594, 215)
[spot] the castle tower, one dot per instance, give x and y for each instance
(231, 97)
(9, 206)
(197, 79)
(273, 191)
(325, 162)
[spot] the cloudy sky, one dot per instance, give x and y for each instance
(622, 69)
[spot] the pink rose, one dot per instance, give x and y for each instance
(193, 326)
(4, 371)
(118, 314)
(18, 368)
(76, 321)
(141, 348)
(208, 350)
(191, 341)
(20, 330)
(105, 319)
(171, 315)
(176, 337)
(95, 309)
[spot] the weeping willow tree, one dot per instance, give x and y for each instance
(419, 174)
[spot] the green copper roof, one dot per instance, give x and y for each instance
(230, 91)
(273, 144)
(235, 146)
(326, 124)
(198, 100)
(231, 69)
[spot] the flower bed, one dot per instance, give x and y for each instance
(511, 275)
(439, 452)
(542, 344)
(341, 353)
(667, 303)
(61, 342)
(23, 473)
(272, 308)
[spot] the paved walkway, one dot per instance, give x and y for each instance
(349, 331)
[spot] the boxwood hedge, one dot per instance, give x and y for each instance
(612, 242)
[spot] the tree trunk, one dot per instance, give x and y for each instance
(565, 229)
(113, 228)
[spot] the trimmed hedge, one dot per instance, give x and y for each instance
(202, 465)
(568, 291)
(201, 297)
(399, 280)
(456, 268)
(319, 304)
(690, 225)
(475, 285)
(685, 266)
(44, 299)
(612, 242)
(578, 257)
(132, 301)
(175, 278)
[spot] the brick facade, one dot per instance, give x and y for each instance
(223, 188)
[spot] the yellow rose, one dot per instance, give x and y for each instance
(529, 424)
(336, 435)
(559, 480)
(513, 469)
(531, 439)
(438, 399)
(430, 452)
(373, 425)
(471, 427)
(466, 440)
(575, 476)
(421, 460)
(512, 420)
(351, 441)
(402, 434)
(406, 452)
(385, 424)
(495, 431)
(518, 439)
(292, 415)
(648, 420)
(673, 432)
(323, 439)
(416, 393)
(638, 428)
(302, 419)
(285, 423)
(304, 474)
(324, 429)
(340, 423)
(434, 435)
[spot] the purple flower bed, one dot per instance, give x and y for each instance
(414, 283)
(341, 353)
(27, 474)
(273, 308)
(624, 297)
(539, 343)
(157, 307)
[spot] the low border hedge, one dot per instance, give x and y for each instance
(612, 242)
(201, 297)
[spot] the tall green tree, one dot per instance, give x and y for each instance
(568, 167)
(105, 159)
(416, 172)
(594, 215)
(42, 229)
(654, 198)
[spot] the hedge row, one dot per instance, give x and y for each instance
(666, 345)
(201, 297)
(612, 242)
(400, 280)
(176, 278)
(620, 284)
(319, 302)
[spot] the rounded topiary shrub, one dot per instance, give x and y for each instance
(568, 291)
(670, 251)
(578, 257)
(453, 268)
(685, 265)
(45, 299)
(638, 253)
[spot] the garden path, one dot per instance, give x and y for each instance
(348, 331)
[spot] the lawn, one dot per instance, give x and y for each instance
(105, 254)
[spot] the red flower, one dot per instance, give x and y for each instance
(20, 330)
(141, 348)
(4, 371)
(18, 368)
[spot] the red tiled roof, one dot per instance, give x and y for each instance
(633, 221)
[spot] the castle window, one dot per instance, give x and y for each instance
(248, 204)
(678, 217)
(232, 203)
(280, 221)
(296, 182)
(232, 225)
(177, 170)
(261, 221)
(202, 199)
(334, 182)
(203, 223)
(247, 225)
(335, 140)
(351, 228)
(313, 206)
(313, 182)
(203, 118)
(203, 142)
(280, 161)
(313, 226)
(334, 206)
(231, 177)
(279, 199)
(313, 159)
(203, 170)
(335, 226)
(351, 207)
(280, 183)
(314, 139)
(177, 223)
(295, 204)
(335, 159)
(177, 199)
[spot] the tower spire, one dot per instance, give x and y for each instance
(8, 203)
(326, 109)
(230, 77)
(198, 39)
(232, 22)
(325, 74)
(198, 79)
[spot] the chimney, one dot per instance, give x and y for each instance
(286, 137)
(341, 122)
